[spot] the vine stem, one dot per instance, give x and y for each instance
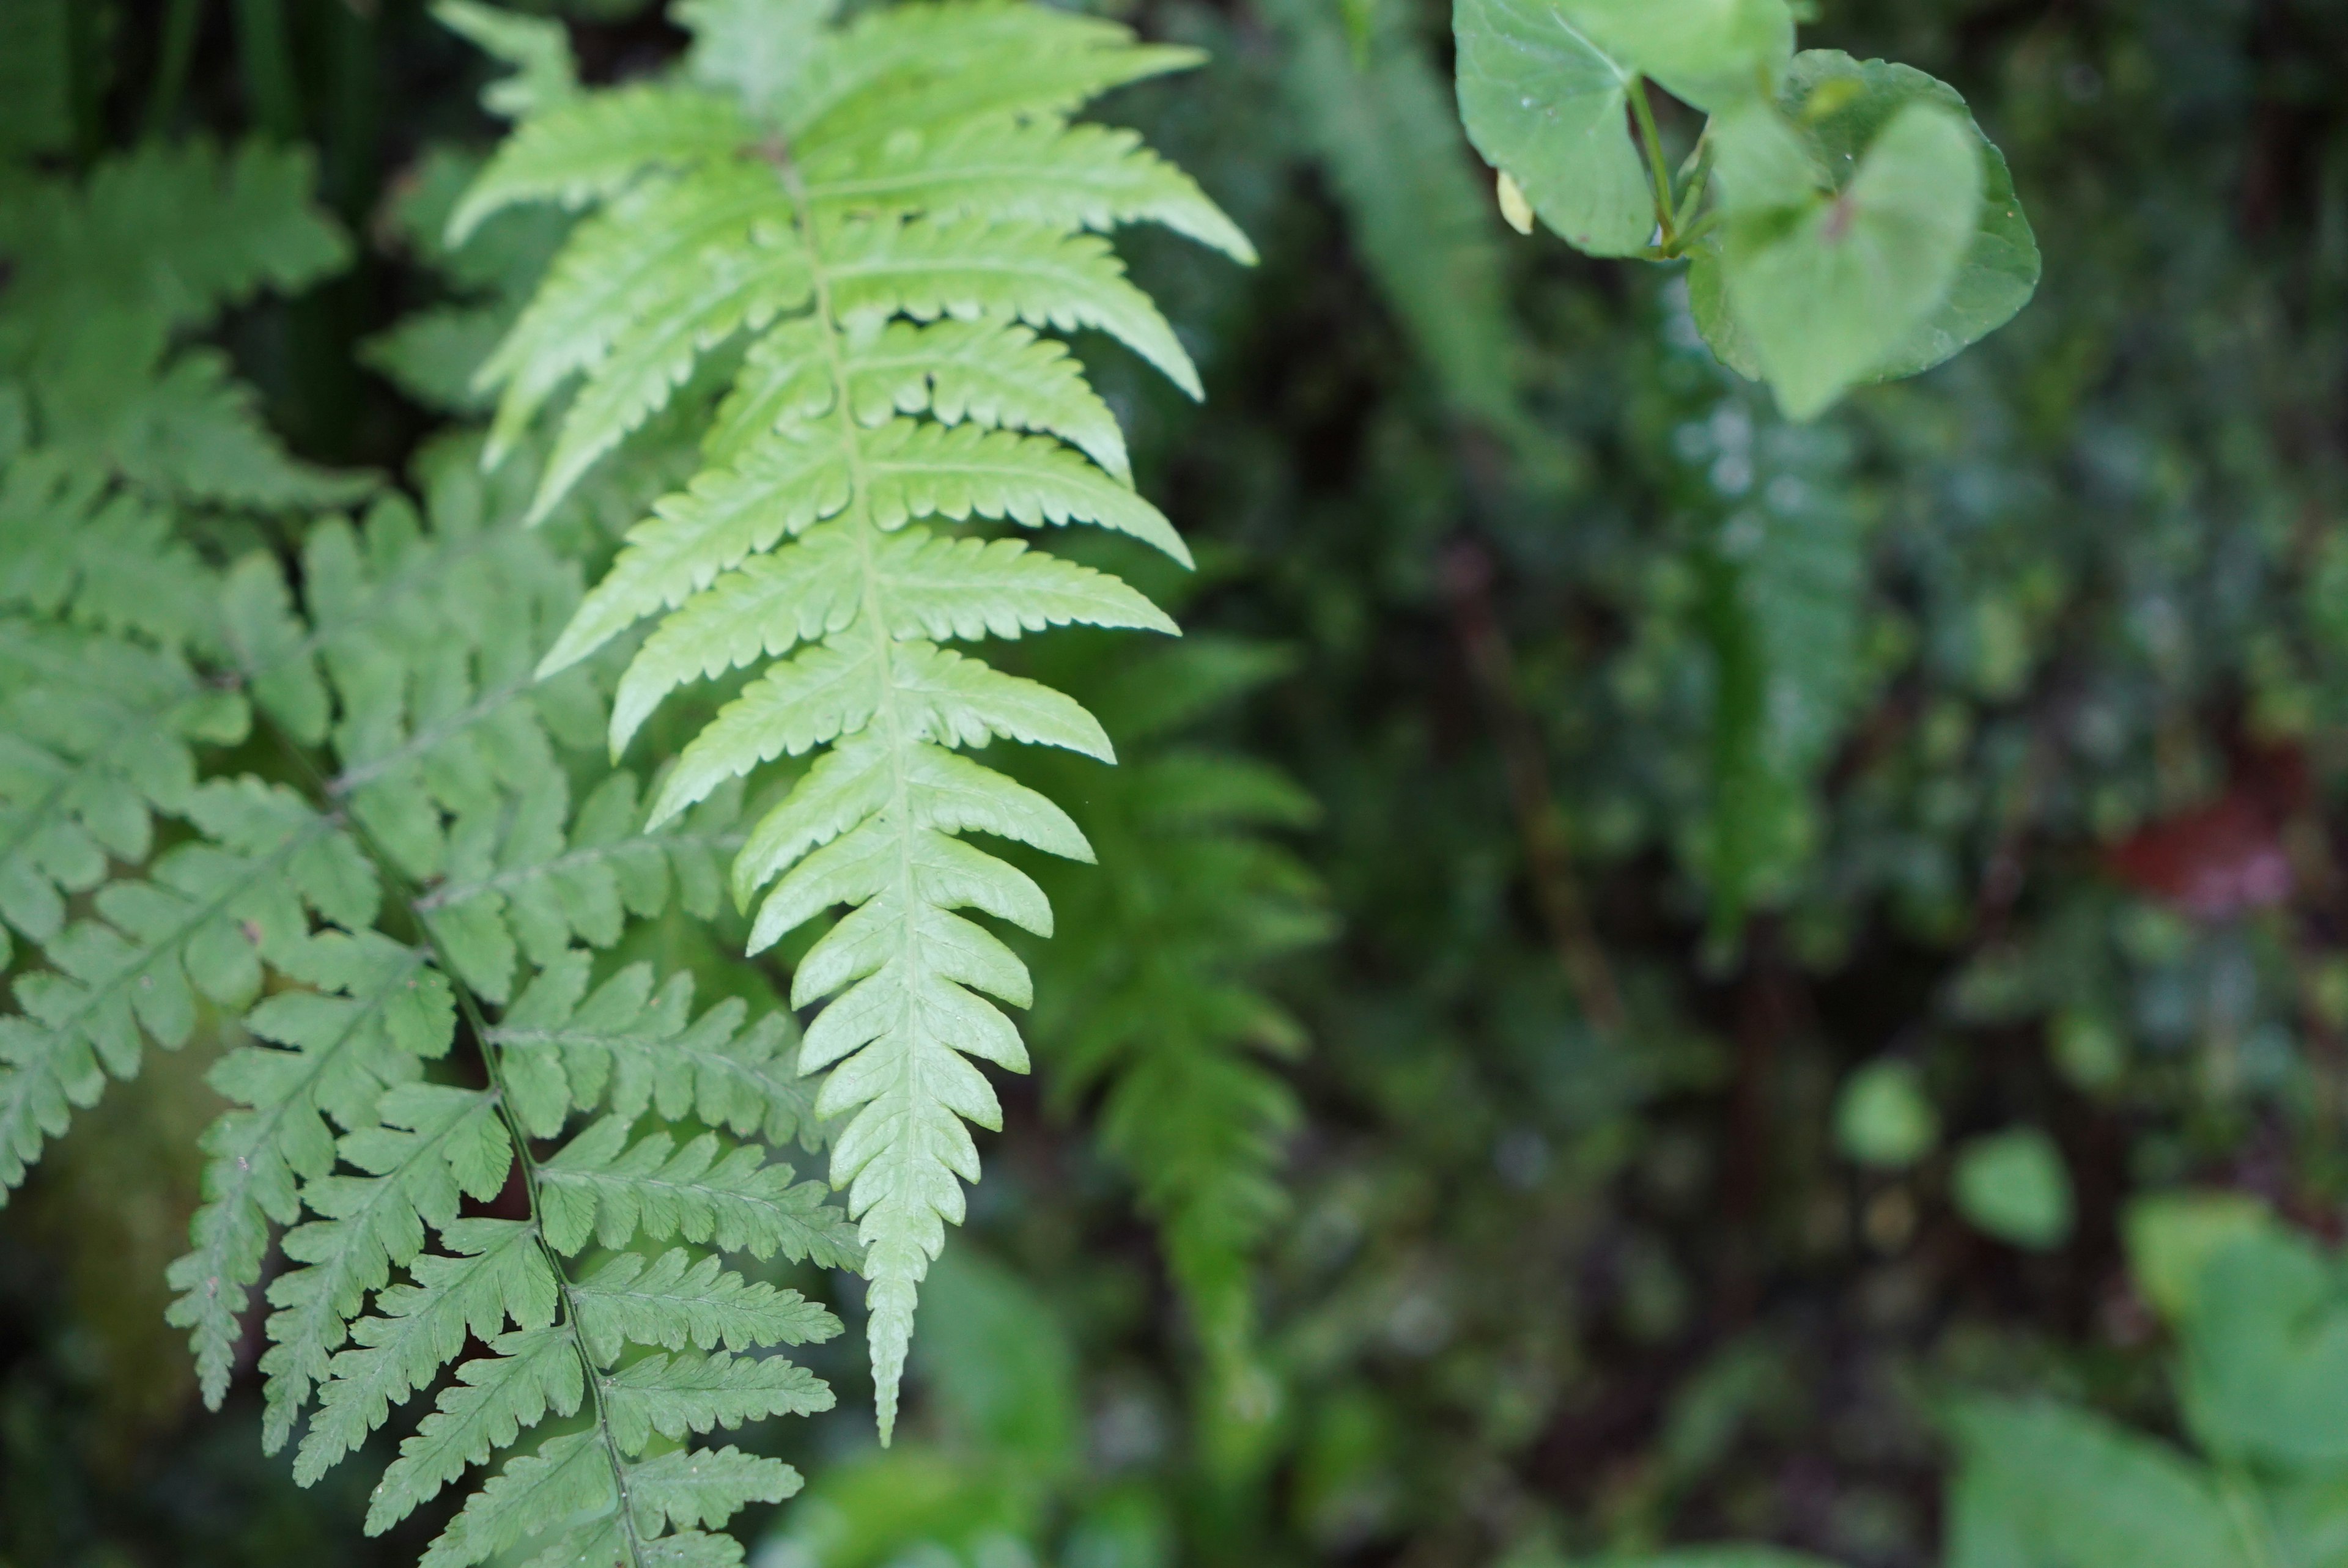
(1658, 171)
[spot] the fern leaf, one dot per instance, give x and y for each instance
(921, 470)
(970, 267)
(436, 1144)
(569, 1477)
(194, 432)
(70, 549)
(538, 48)
(96, 740)
(920, 65)
(599, 1186)
(519, 885)
(633, 1047)
(651, 356)
(594, 147)
(692, 1487)
(689, 1392)
(610, 276)
(675, 1300)
(177, 230)
(379, 1009)
(987, 372)
(526, 1375)
(781, 488)
(197, 925)
(920, 177)
(497, 1272)
(1068, 177)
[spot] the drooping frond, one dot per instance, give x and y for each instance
(1154, 1002)
(883, 225)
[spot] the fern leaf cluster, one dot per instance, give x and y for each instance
(881, 223)
(403, 928)
(106, 276)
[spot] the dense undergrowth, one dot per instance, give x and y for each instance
(1654, 976)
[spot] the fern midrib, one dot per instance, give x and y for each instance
(492, 1064)
(492, 1061)
(875, 613)
(430, 738)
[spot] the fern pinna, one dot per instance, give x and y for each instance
(883, 215)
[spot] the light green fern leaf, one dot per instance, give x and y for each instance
(414, 1170)
(690, 1487)
(635, 1047)
(887, 223)
(675, 1300)
(378, 1010)
(496, 1272)
(603, 1187)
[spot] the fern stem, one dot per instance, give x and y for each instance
(492, 1061)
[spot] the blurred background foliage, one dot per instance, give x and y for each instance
(1719, 927)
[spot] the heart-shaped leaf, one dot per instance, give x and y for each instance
(1548, 107)
(1840, 105)
(1708, 53)
(1829, 281)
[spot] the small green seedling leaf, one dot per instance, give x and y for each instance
(2011, 1185)
(1882, 1117)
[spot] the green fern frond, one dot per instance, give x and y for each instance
(196, 928)
(601, 1186)
(690, 1487)
(96, 739)
(71, 548)
(177, 231)
(887, 221)
(377, 1011)
(675, 1300)
(1153, 1000)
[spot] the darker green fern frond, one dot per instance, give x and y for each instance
(884, 222)
(106, 276)
(407, 657)
(1154, 1002)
